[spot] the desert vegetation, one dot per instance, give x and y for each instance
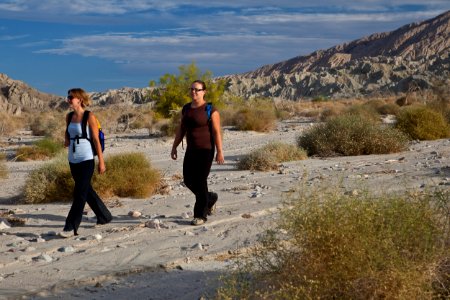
(40, 150)
(173, 91)
(351, 135)
(129, 175)
(423, 123)
(269, 156)
(3, 168)
(329, 245)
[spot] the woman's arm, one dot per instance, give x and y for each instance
(93, 125)
(66, 135)
(178, 138)
(215, 118)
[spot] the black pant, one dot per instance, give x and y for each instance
(83, 192)
(196, 166)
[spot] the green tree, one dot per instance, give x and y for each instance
(173, 90)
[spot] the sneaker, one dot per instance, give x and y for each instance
(212, 203)
(66, 234)
(197, 221)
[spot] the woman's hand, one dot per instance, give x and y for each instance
(101, 167)
(219, 158)
(174, 154)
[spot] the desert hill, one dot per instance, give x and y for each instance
(388, 62)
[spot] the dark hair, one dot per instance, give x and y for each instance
(200, 82)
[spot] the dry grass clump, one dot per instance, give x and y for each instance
(257, 115)
(351, 135)
(42, 149)
(3, 168)
(127, 175)
(50, 124)
(9, 123)
(423, 123)
(52, 182)
(268, 157)
(333, 246)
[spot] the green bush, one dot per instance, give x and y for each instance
(351, 135)
(269, 156)
(127, 175)
(42, 149)
(422, 123)
(173, 91)
(334, 246)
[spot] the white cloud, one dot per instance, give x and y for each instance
(12, 37)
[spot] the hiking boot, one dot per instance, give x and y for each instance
(197, 221)
(66, 234)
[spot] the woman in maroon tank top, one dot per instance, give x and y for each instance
(203, 138)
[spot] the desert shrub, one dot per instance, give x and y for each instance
(169, 126)
(330, 112)
(50, 124)
(172, 92)
(3, 168)
(9, 123)
(389, 109)
(268, 157)
(422, 123)
(43, 149)
(128, 175)
(366, 111)
(351, 135)
(334, 246)
(257, 115)
(52, 182)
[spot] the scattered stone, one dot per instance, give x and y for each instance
(246, 216)
(66, 249)
(135, 214)
(154, 223)
(43, 258)
(198, 246)
(4, 224)
(185, 215)
(188, 233)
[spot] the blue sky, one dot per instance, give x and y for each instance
(54, 45)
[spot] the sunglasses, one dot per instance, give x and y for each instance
(70, 97)
(196, 90)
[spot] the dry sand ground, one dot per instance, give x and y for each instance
(125, 259)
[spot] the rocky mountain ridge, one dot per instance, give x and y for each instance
(16, 97)
(415, 54)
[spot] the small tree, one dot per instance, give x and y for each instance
(173, 93)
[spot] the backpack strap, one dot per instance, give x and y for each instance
(84, 125)
(68, 120)
(208, 109)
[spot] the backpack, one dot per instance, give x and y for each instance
(101, 135)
